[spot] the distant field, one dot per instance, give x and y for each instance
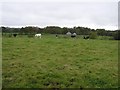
(52, 62)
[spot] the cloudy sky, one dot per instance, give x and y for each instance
(65, 14)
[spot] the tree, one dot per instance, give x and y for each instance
(6, 29)
(29, 30)
(53, 30)
(64, 30)
(101, 32)
(117, 35)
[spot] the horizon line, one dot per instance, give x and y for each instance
(56, 26)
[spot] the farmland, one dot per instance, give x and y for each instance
(52, 62)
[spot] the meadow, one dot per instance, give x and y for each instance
(52, 62)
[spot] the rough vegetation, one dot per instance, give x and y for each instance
(52, 62)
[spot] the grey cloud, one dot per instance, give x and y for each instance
(64, 13)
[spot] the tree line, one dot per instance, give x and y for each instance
(30, 30)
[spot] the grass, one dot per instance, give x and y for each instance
(59, 63)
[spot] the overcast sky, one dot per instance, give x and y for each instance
(64, 14)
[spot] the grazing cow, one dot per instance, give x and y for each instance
(38, 35)
(68, 33)
(56, 36)
(86, 37)
(14, 35)
(73, 35)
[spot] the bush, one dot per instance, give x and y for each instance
(116, 36)
(93, 35)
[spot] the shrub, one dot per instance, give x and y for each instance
(93, 35)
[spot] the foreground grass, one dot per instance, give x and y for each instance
(59, 63)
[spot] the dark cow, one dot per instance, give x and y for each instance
(73, 36)
(56, 36)
(14, 35)
(87, 37)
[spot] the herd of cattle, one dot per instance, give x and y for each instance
(68, 34)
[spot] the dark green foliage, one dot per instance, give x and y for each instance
(110, 33)
(117, 35)
(101, 32)
(29, 30)
(53, 30)
(82, 30)
(93, 35)
(58, 30)
(10, 30)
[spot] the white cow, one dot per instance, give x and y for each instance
(38, 35)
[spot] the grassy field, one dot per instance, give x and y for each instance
(59, 63)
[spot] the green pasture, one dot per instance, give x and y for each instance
(60, 62)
